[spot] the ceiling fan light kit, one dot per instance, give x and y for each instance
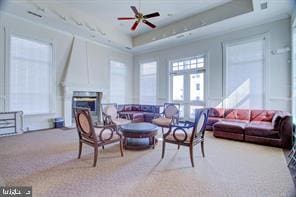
(140, 17)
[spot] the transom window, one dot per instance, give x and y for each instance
(187, 64)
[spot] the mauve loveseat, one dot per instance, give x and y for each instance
(139, 113)
(266, 127)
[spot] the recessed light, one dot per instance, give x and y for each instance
(263, 6)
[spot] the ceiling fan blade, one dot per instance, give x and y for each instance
(149, 24)
(134, 10)
(125, 18)
(135, 25)
(155, 14)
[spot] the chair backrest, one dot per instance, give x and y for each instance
(84, 124)
(201, 118)
(110, 109)
(171, 109)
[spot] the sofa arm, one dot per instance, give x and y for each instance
(286, 131)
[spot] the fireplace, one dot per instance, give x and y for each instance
(90, 100)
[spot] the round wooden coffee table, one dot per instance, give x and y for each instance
(139, 136)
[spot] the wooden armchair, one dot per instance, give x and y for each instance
(111, 116)
(170, 115)
(188, 133)
(94, 136)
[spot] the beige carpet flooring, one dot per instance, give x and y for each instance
(47, 160)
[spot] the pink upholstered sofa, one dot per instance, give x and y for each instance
(267, 127)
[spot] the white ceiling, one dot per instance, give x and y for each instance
(170, 11)
(101, 17)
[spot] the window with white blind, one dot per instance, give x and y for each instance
(118, 78)
(30, 76)
(148, 81)
(245, 73)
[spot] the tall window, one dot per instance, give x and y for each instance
(244, 72)
(118, 78)
(30, 76)
(187, 84)
(148, 74)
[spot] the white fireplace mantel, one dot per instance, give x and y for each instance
(68, 95)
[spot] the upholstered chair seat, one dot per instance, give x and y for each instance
(162, 121)
(120, 121)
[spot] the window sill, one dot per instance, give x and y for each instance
(40, 114)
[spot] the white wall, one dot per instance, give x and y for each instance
(279, 76)
(99, 59)
(293, 46)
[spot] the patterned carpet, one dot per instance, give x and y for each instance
(47, 161)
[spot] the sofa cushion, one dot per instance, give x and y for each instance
(261, 129)
(146, 108)
(127, 108)
(136, 108)
(216, 112)
(133, 114)
(230, 126)
(240, 114)
(262, 115)
(212, 120)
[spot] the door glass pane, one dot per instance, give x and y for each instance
(181, 113)
(197, 87)
(192, 110)
(178, 92)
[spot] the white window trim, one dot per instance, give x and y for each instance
(157, 78)
(225, 44)
(206, 70)
(8, 33)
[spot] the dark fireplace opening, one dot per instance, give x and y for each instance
(90, 100)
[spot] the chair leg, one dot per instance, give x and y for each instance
(95, 156)
(162, 130)
(103, 147)
(191, 155)
(121, 147)
(80, 150)
(202, 149)
(178, 146)
(163, 149)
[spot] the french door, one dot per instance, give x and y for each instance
(187, 85)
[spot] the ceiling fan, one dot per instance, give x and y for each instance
(140, 17)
